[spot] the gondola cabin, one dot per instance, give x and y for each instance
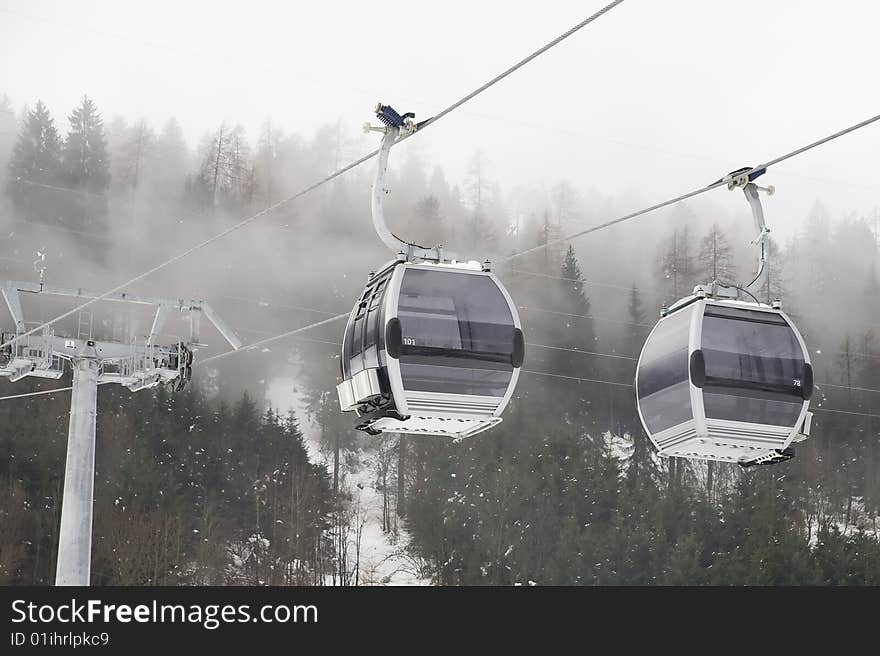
(431, 349)
(725, 380)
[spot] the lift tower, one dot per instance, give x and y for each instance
(138, 365)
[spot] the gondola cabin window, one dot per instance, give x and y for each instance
(663, 385)
(458, 333)
(754, 367)
(365, 337)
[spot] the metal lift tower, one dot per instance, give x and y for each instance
(138, 365)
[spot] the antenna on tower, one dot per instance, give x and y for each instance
(40, 266)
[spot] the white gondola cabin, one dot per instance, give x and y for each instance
(433, 345)
(431, 349)
(725, 380)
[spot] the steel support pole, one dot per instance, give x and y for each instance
(75, 537)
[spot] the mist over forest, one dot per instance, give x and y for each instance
(252, 475)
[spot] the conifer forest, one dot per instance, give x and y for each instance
(251, 475)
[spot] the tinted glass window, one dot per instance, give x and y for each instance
(427, 374)
(375, 326)
(667, 407)
(454, 310)
(663, 386)
(754, 367)
(347, 350)
(364, 332)
(757, 350)
(751, 406)
(357, 339)
(457, 333)
(430, 321)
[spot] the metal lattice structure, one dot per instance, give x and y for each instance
(138, 364)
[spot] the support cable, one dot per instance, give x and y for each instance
(315, 185)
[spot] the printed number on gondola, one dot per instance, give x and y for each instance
(409, 341)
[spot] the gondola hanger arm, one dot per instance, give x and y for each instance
(744, 179)
(396, 127)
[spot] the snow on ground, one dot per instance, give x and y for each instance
(383, 559)
(859, 521)
(618, 446)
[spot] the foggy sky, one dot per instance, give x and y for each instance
(652, 100)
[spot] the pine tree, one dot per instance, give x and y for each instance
(266, 160)
(84, 156)
(171, 156)
(477, 185)
(482, 230)
(574, 330)
(240, 171)
(226, 175)
(139, 150)
(213, 165)
(567, 201)
(715, 257)
(642, 471)
(871, 294)
(637, 328)
(869, 372)
(572, 284)
(481, 233)
(35, 159)
(676, 263)
(846, 365)
(7, 132)
(549, 233)
(814, 251)
(776, 287)
(117, 132)
(428, 221)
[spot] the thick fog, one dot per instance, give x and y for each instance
(131, 132)
(651, 100)
(647, 102)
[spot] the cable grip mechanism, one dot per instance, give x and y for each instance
(404, 124)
